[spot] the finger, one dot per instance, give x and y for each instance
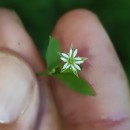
(14, 38)
(110, 108)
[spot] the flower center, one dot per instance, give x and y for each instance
(70, 60)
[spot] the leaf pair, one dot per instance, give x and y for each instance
(69, 79)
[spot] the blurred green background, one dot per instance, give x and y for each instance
(39, 17)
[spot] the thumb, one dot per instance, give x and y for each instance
(34, 116)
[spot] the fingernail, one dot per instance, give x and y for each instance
(16, 87)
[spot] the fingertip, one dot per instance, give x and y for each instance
(14, 37)
(76, 16)
(73, 23)
(9, 14)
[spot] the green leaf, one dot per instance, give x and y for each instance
(75, 83)
(52, 57)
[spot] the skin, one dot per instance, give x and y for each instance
(55, 107)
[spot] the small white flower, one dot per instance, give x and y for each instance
(71, 61)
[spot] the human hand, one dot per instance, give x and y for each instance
(61, 108)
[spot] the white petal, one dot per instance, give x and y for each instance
(76, 66)
(75, 52)
(65, 68)
(65, 65)
(78, 58)
(64, 55)
(73, 68)
(79, 62)
(70, 53)
(75, 72)
(62, 70)
(63, 59)
(68, 66)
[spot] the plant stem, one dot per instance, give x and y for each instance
(43, 73)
